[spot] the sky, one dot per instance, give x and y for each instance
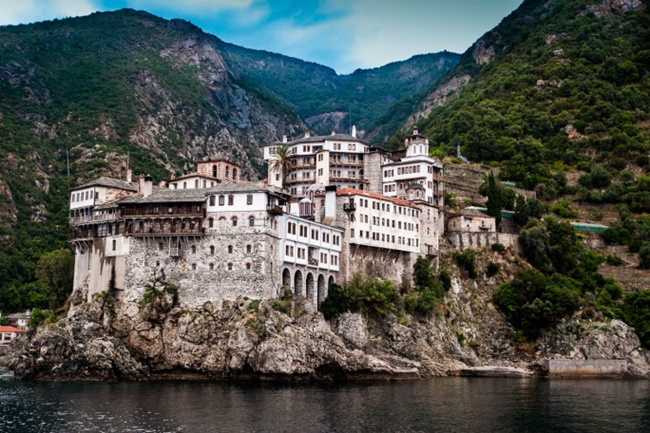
(342, 34)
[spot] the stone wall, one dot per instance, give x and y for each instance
(239, 261)
(463, 240)
(586, 367)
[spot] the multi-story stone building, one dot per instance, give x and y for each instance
(217, 237)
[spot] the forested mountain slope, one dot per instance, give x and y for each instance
(558, 84)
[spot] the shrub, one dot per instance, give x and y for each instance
(492, 269)
(644, 256)
(498, 247)
(467, 261)
(563, 209)
(284, 306)
(613, 260)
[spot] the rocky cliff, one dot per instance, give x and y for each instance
(289, 340)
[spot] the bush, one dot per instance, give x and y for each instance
(492, 269)
(563, 209)
(498, 247)
(467, 260)
(367, 295)
(636, 312)
(613, 260)
(644, 256)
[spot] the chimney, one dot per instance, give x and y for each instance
(354, 131)
(330, 202)
(129, 175)
(284, 138)
(307, 134)
(333, 132)
(145, 185)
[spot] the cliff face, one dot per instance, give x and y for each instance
(106, 340)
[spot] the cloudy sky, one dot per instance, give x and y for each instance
(342, 34)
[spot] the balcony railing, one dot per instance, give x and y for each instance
(274, 209)
(349, 207)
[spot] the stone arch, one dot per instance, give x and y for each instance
(310, 288)
(330, 281)
(297, 284)
(321, 290)
(286, 279)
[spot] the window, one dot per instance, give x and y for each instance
(230, 266)
(114, 244)
(194, 266)
(184, 185)
(160, 246)
(248, 266)
(251, 221)
(212, 249)
(210, 222)
(249, 249)
(249, 199)
(221, 200)
(231, 200)
(229, 249)
(212, 200)
(211, 266)
(234, 221)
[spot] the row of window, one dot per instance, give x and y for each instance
(231, 200)
(233, 220)
(383, 237)
(83, 195)
(301, 253)
(385, 222)
(410, 169)
(400, 210)
(230, 266)
(302, 229)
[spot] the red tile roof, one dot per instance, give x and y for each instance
(352, 191)
(10, 329)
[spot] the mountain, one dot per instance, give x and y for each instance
(325, 99)
(559, 83)
(87, 96)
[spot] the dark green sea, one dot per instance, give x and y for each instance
(435, 405)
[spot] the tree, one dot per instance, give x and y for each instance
(56, 270)
(521, 210)
(282, 162)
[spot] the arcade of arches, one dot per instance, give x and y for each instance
(312, 285)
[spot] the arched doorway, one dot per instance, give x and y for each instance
(286, 281)
(297, 284)
(310, 288)
(330, 281)
(322, 292)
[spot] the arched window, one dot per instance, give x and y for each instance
(210, 222)
(211, 249)
(230, 266)
(193, 249)
(234, 221)
(251, 221)
(214, 171)
(234, 173)
(222, 222)
(248, 266)
(194, 266)
(229, 249)
(249, 249)
(212, 266)
(227, 172)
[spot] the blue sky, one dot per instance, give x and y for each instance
(342, 34)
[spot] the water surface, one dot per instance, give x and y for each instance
(435, 405)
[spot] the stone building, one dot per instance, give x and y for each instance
(217, 237)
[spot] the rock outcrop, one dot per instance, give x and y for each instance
(290, 340)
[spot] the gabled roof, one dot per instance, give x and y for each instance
(199, 195)
(109, 182)
(10, 329)
(397, 201)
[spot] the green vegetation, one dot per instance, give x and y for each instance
(565, 85)
(379, 298)
(466, 260)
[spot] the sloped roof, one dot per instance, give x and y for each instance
(199, 195)
(10, 329)
(323, 138)
(109, 182)
(397, 201)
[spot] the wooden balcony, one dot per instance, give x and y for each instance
(274, 209)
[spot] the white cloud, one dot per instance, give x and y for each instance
(29, 11)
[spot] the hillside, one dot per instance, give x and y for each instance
(324, 98)
(556, 85)
(103, 91)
